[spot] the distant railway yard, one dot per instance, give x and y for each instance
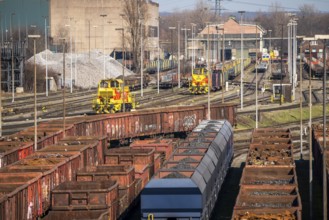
(18, 115)
(113, 110)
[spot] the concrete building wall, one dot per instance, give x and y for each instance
(83, 18)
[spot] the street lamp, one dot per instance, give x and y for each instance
(63, 86)
(109, 72)
(34, 37)
(95, 26)
(281, 64)
(270, 31)
(178, 53)
(158, 69)
(209, 72)
(89, 38)
(223, 65)
(46, 47)
(172, 54)
(193, 45)
(256, 90)
(324, 170)
(301, 96)
(123, 68)
(0, 89)
(242, 66)
(142, 58)
(71, 83)
(12, 59)
(103, 15)
(310, 39)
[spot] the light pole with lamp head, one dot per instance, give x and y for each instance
(242, 66)
(142, 58)
(301, 96)
(223, 62)
(209, 73)
(158, 67)
(270, 31)
(34, 37)
(103, 15)
(12, 59)
(1, 45)
(193, 46)
(172, 53)
(63, 85)
(46, 48)
(256, 90)
(95, 26)
(310, 39)
(123, 68)
(71, 81)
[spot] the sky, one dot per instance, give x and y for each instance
(245, 5)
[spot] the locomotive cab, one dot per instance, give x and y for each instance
(199, 84)
(111, 98)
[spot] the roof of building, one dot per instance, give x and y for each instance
(233, 27)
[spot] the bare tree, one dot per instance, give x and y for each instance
(135, 15)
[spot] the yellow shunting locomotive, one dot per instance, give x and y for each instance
(199, 83)
(111, 98)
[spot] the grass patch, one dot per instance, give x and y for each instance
(277, 117)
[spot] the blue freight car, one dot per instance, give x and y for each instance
(188, 184)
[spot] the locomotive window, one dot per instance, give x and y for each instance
(103, 85)
(114, 84)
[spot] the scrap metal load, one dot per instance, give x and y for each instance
(188, 184)
(268, 186)
(112, 97)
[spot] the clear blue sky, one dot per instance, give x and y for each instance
(246, 5)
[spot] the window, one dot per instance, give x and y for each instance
(153, 31)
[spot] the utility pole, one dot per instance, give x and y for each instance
(63, 88)
(281, 64)
(34, 37)
(12, 59)
(242, 66)
(158, 78)
(209, 73)
(104, 75)
(89, 38)
(178, 54)
(46, 48)
(309, 39)
(1, 45)
(270, 51)
(256, 90)
(142, 54)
